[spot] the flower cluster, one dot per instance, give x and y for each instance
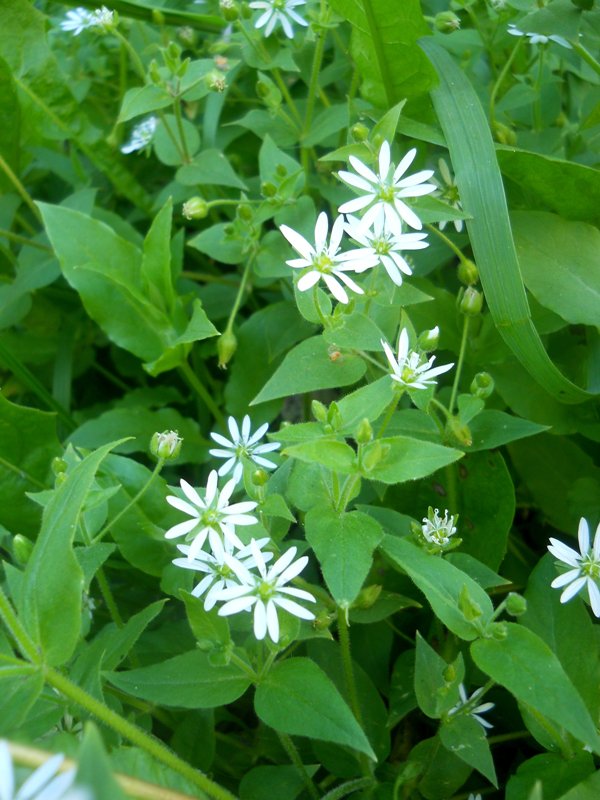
(80, 19)
(379, 232)
(234, 573)
(584, 566)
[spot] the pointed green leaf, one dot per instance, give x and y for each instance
(406, 459)
(156, 260)
(465, 737)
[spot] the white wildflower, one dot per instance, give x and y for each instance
(80, 19)
(473, 710)
(538, 38)
(436, 529)
(141, 135)
(278, 11)
(585, 566)
(266, 592)
(411, 368)
(45, 782)
(212, 512)
(383, 193)
(243, 445)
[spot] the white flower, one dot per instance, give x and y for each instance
(449, 194)
(585, 566)
(386, 245)
(266, 591)
(141, 135)
(281, 11)
(243, 445)
(218, 574)
(80, 19)
(411, 368)
(474, 797)
(383, 192)
(324, 261)
(210, 513)
(470, 701)
(436, 529)
(43, 784)
(538, 38)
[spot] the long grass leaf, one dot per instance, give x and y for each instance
(482, 193)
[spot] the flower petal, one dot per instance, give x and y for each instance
(298, 242)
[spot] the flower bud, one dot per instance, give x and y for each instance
(359, 132)
(195, 208)
(60, 479)
(482, 385)
(467, 606)
(59, 465)
(516, 604)
(262, 89)
(154, 73)
(450, 673)
(334, 416)
(22, 549)
(244, 212)
(268, 189)
(319, 411)
(182, 68)
(504, 134)
(446, 22)
(226, 347)
(281, 170)
(367, 596)
(187, 35)
(375, 453)
(497, 630)
(364, 432)
(157, 17)
(429, 340)
(228, 10)
(245, 11)
(458, 433)
(471, 302)
(260, 477)
(468, 272)
(322, 621)
(165, 445)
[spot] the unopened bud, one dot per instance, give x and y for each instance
(482, 385)
(229, 10)
(468, 607)
(60, 479)
(458, 433)
(281, 170)
(471, 302)
(497, 630)
(157, 17)
(154, 73)
(59, 465)
(260, 477)
(22, 549)
(244, 212)
(429, 340)
(165, 445)
(364, 432)
(319, 411)
(516, 604)
(183, 67)
(359, 132)
(504, 134)
(334, 416)
(468, 272)
(446, 22)
(450, 673)
(195, 208)
(268, 189)
(322, 621)
(226, 347)
(374, 454)
(367, 596)
(262, 89)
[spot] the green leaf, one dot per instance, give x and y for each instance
(53, 579)
(368, 402)
(559, 263)
(435, 695)
(442, 584)
(478, 178)
(156, 261)
(211, 630)
(555, 774)
(526, 666)
(214, 242)
(266, 783)
(335, 455)
(384, 48)
(209, 168)
(307, 368)
(406, 459)
(492, 428)
(10, 123)
(18, 693)
(296, 697)
(93, 767)
(142, 100)
(539, 175)
(185, 681)
(344, 545)
(465, 737)
(28, 443)
(355, 331)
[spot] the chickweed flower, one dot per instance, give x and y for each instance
(448, 192)
(585, 566)
(278, 11)
(43, 783)
(211, 513)
(438, 530)
(323, 260)
(469, 701)
(218, 575)
(80, 19)
(383, 192)
(266, 592)
(386, 245)
(141, 136)
(412, 368)
(538, 38)
(243, 445)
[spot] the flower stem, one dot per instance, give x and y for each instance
(20, 188)
(190, 376)
(134, 500)
(292, 751)
(15, 237)
(322, 317)
(154, 747)
(179, 121)
(586, 56)
(240, 292)
(459, 364)
(136, 60)
(500, 80)
(389, 413)
(313, 86)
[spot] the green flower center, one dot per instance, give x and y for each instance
(279, 5)
(322, 263)
(265, 590)
(590, 567)
(211, 518)
(450, 195)
(381, 246)
(386, 193)
(223, 571)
